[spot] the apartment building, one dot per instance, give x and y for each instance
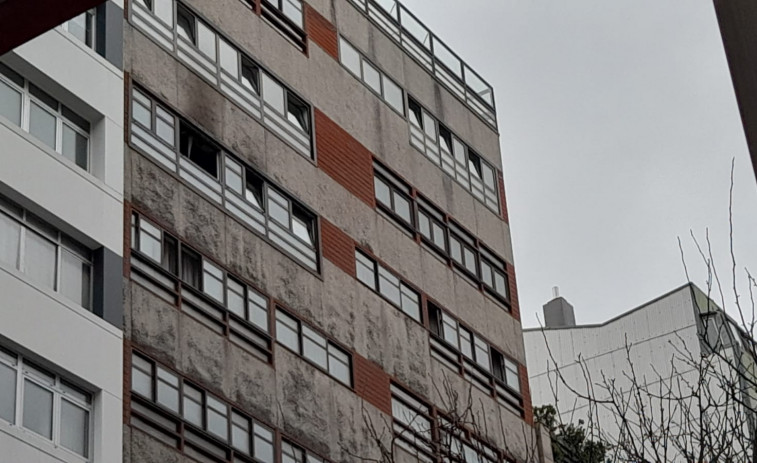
(679, 345)
(317, 240)
(61, 241)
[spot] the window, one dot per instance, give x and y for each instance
(223, 178)
(393, 195)
(198, 149)
(453, 156)
(388, 285)
(286, 104)
(46, 404)
(176, 397)
(185, 25)
(298, 113)
(462, 250)
(46, 256)
(371, 76)
(304, 341)
(54, 124)
(413, 426)
(199, 273)
(82, 27)
(460, 349)
(292, 453)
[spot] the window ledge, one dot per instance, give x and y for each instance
(59, 299)
(92, 53)
(96, 182)
(39, 444)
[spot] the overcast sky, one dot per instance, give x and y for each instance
(618, 125)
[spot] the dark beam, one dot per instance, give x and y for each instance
(22, 20)
(738, 27)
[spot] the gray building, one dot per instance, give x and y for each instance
(61, 242)
(671, 346)
(317, 240)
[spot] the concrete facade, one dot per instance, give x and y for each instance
(70, 328)
(176, 325)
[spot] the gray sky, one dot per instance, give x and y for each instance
(618, 125)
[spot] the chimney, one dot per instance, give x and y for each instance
(558, 313)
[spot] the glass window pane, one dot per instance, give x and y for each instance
(372, 77)
(314, 347)
(234, 177)
(424, 225)
(500, 284)
(141, 113)
(235, 298)
(240, 437)
(206, 40)
(263, 444)
(10, 234)
(250, 76)
(164, 127)
(365, 270)
(218, 420)
(349, 56)
(186, 25)
(287, 331)
(438, 235)
(470, 260)
(7, 393)
(191, 405)
(273, 94)
(389, 286)
(293, 10)
(141, 382)
(75, 147)
(278, 212)
(78, 27)
(42, 125)
(10, 103)
(75, 279)
(258, 308)
(38, 409)
(39, 259)
(149, 240)
(74, 428)
(212, 280)
(168, 390)
(383, 194)
(164, 10)
(393, 95)
(229, 58)
(301, 230)
(402, 207)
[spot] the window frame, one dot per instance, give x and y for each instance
(183, 294)
(30, 223)
(330, 344)
(90, 18)
(376, 287)
(454, 236)
(24, 371)
(58, 113)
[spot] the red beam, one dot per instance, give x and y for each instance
(22, 20)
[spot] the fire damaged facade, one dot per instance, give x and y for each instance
(317, 256)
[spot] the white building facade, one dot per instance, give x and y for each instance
(61, 241)
(659, 346)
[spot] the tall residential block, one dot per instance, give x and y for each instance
(61, 241)
(317, 255)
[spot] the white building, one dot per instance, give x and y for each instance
(61, 241)
(664, 335)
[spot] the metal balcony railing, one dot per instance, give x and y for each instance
(426, 48)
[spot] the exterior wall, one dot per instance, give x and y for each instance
(657, 332)
(352, 127)
(82, 346)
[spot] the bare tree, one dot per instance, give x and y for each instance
(699, 406)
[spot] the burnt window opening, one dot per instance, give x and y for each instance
(250, 75)
(298, 112)
(198, 149)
